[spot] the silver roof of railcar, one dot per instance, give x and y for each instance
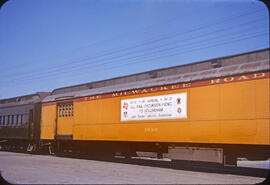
(213, 68)
(23, 100)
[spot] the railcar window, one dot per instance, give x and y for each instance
(65, 110)
(16, 119)
(59, 111)
(0, 120)
(22, 118)
(12, 119)
(69, 110)
(4, 120)
(19, 119)
(8, 120)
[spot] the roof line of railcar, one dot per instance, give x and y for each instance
(19, 98)
(72, 97)
(261, 66)
(161, 69)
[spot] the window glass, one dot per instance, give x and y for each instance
(19, 119)
(0, 120)
(60, 110)
(69, 110)
(65, 110)
(6, 122)
(16, 119)
(12, 119)
(8, 119)
(72, 110)
(22, 118)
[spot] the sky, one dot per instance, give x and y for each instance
(49, 44)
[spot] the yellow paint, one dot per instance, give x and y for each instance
(205, 103)
(65, 120)
(237, 100)
(262, 98)
(87, 112)
(64, 126)
(109, 112)
(235, 112)
(48, 120)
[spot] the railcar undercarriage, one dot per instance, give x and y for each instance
(224, 154)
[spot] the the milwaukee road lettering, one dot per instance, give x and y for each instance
(229, 79)
(191, 84)
(239, 78)
(171, 106)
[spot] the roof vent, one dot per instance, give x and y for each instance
(90, 86)
(64, 97)
(153, 74)
(216, 63)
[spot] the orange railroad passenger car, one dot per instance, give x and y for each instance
(214, 111)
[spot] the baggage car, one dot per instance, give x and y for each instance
(215, 111)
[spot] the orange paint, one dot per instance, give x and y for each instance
(232, 109)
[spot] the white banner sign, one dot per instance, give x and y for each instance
(170, 106)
